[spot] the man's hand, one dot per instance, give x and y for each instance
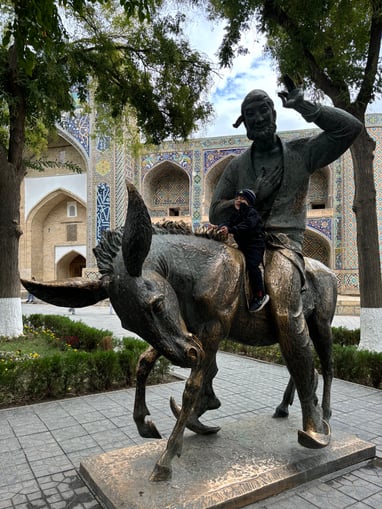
(267, 184)
(292, 95)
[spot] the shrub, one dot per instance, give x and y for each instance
(358, 366)
(29, 378)
(349, 363)
(67, 332)
(345, 337)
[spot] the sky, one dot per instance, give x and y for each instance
(247, 73)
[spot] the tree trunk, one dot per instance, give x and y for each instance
(10, 304)
(369, 266)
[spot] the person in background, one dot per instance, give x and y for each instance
(31, 299)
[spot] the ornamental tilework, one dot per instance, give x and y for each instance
(213, 156)
(349, 233)
(103, 210)
(120, 187)
(314, 248)
(322, 225)
(103, 167)
(183, 159)
(197, 189)
(172, 192)
(103, 143)
(318, 191)
(78, 126)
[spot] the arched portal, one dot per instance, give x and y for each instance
(166, 191)
(70, 265)
(58, 222)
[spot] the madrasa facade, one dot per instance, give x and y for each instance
(63, 213)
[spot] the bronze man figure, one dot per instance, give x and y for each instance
(278, 172)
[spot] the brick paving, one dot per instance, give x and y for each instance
(42, 445)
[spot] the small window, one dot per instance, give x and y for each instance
(71, 209)
(173, 212)
(318, 206)
(71, 233)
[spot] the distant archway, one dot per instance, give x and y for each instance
(166, 191)
(70, 265)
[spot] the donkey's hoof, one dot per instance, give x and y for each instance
(280, 412)
(193, 424)
(161, 473)
(147, 429)
(313, 440)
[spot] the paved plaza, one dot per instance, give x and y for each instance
(42, 445)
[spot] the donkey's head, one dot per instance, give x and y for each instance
(144, 300)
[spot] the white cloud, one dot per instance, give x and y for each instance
(247, 73)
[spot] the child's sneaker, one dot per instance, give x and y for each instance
(258, 303)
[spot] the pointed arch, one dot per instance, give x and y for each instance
(166, 190)
(70, 264)
(48, 225)
(75, 144)
(212, 178)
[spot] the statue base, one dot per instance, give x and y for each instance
(247, 461)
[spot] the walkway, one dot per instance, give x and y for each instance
(41, 445)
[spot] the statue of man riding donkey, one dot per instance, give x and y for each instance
(184, 294)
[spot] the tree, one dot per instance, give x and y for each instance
(333, 48)
(135, 59)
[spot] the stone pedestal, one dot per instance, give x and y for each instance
(245, 462)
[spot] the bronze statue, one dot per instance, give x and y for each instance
(184, 294)
(278, 172)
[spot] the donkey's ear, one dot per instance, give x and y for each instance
(136, 240)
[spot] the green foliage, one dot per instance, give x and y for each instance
(66, 331)
(345, 337)
(162, 83)
(358, 366)
(102, 47)
(349, 363)
(26, 378)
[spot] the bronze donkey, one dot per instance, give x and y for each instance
(184, 294)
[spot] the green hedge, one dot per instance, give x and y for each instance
(73, 373)
(349, 363)
(67, 331)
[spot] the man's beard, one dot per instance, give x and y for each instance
(264, 134)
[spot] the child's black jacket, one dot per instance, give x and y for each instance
(247, 227)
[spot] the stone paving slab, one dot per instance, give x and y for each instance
(247, 461)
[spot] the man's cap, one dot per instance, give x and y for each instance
(254, 95)
(249, 195)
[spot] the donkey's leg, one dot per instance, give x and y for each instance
(162, 470)
(283, 409)
(146, 429)
(321, 334)
(205, 401)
